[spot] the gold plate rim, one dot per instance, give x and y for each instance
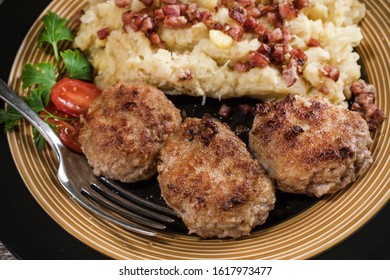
(310, 233)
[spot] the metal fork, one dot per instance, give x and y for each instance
(133, 212)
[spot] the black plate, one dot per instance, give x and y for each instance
(31, 234)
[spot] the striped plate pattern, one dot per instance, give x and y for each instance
(318, 228)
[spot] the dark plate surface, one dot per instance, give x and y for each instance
(31, 234)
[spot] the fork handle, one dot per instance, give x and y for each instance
(13, 99)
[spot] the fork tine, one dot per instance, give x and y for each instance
(135, 198)
(109, 194)
(90, 192)
(133, 227)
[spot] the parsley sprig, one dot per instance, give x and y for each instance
(41, 77)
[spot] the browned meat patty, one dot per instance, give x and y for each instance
(124, 130)
(310, 146)
(209, 178)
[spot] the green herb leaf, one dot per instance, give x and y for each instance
(41, 74)
(9, 118)
(77, 65)
(55, 31)
(39, 140)
(35, 102)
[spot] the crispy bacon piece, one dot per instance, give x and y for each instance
(242, 66)
(169, 1)
(276, 36)
(313, 43)
(254, 12)
(261, 31)
(277, 55)
(236, 32)
(291, 73)
(192, 13)
(323, 89)
(257, 59)
(299, 55)
(147, 3)
(300, 4)
(363, 103)
(171, 10)
(148, 24)
(330, 72)
(122, 3)
(225, 111)
(133, 20)
(273, 8)
(238, 14)
(287, 11)
(246, 109)
(265, 50)
(275, 19)
(159, 14)
(250, 24)
(103, 33)
(175, 21)
(207, 18)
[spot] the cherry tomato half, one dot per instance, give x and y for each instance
(73, 97)
(68, 131)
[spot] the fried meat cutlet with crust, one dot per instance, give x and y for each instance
(207, 175)
(124, 130)
(310, 146)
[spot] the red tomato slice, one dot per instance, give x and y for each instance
(68, 131)
(74, 97)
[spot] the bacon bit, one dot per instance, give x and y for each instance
(225, 111)
(299, 55)
(275, 19)
(192, 13)
(364, 98)
(265, 50)
(313, 43)
(169, 1)
(300, 4)
(236, 32)
(103, 33)
(185, 74)
(207, 18)
(159, 14)
(242, 66)
(330, 72)
(323, 89)
(175, 22)
(261, 31)
(277, 55)
(254, 12)
(147, 3)
(257, 59)
(273, 8)
(147, 25)
(291, 73)
(287, 11)
(286, 35)
(171, 10)
(246, 109)
(133, 20)
(246, 3)
(276, 36)
(122, 3)
(155, 38)
(249, 24)
(238, 14)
